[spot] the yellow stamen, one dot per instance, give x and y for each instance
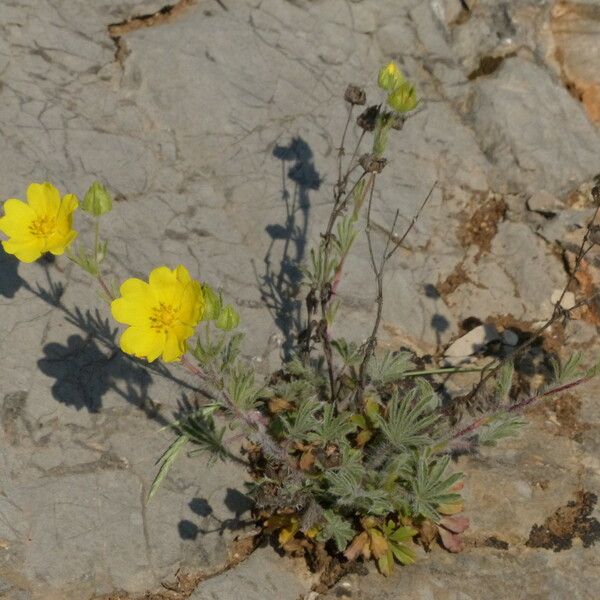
(42, 226)
(163, 316)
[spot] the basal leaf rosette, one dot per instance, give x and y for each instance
(42, 224)
(162, 313)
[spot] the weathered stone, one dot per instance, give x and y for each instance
(575, 28)
(263, 576)
(544, 203)
(521, 116)
(472, 342)
(220, 154)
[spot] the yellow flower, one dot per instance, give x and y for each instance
(161, 314)
(390, 77)
(42, 224)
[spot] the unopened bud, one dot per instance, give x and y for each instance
(97, 200)
(390, 77)
(404, 98)
(228, 319)
(212, 304)
(355, 95)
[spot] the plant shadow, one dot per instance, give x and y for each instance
(279, 283)
(207, 522)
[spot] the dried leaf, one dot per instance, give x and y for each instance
(452, 508)
(456, 524)
(279, 405)
(307, 460)
(451, 541)
(357, 545)
(379, 545)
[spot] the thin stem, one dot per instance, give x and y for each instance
(413, 222)
(558, 311)
(518, 407)
(443, 370)
(341, 150)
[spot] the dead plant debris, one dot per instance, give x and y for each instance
(566, 523)
(482, 226)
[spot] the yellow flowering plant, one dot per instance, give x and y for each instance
(349, 450)
(44, 223)
(162, 313)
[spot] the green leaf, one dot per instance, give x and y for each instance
(408, 420)
(429, 485)
(97, 201)
(504, 383)
(228, 319)
(166, 460)
(331, 427)
(500, 426)
(336, 528)
(389, 367)
(403, 554)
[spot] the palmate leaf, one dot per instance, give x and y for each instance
(429, 485)
(298, 425)
(349, 351)
(242, 388)
(500, 426)
(569, 369)
(347, 487)
(389, 367)
(331, 427)
(336, 528)
(201, 430)
(408, 420)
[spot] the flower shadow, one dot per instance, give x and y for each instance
(10, 280)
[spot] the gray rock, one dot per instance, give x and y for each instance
(206, 147)
(510, 338)
(544, 202)
(263, 576)
(472, 342)
(522, 116)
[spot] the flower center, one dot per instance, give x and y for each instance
(162, 317)
(42, 226)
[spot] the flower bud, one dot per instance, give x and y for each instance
(212, 304)
(228, 319)
(404, 98)
(390, 77)
(97, 200)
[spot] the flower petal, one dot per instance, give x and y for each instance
(142, 342)
(192, 304)
(26, 251)
(58, 243)
(44, 198)
(174, 347)
(182, 274)
(17, 218)
(128, 311)
(68, 205)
